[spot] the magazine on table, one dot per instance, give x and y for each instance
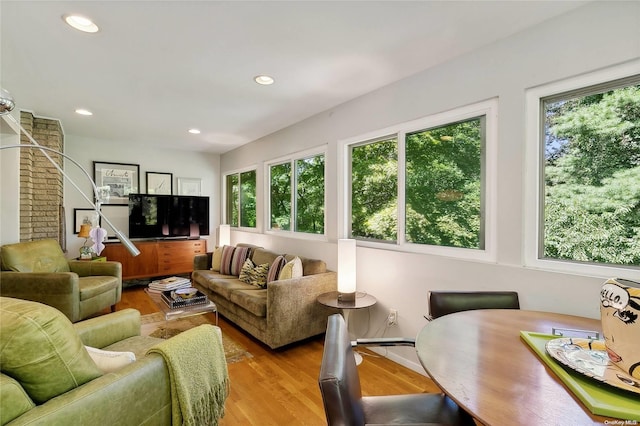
(171, 283)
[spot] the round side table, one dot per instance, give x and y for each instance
(363, 300)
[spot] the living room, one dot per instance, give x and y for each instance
(592, 43)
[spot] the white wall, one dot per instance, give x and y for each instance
(180, 163)
(587, 39)
(9, 182)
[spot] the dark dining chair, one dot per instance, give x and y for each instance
(344, 404)
(447, 302)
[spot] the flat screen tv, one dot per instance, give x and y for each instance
(168, 216)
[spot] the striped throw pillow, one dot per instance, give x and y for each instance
(275, 268)
(225, 259)
(240, 254)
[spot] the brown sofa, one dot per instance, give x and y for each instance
(284, 312)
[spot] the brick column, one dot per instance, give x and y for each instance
(41, 184)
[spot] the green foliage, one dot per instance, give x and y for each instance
(374, 190)
(248, 199)
(233, 199)
(442, 192)
(592, 177)
(310, 195)
(443, 185)
(280, 188)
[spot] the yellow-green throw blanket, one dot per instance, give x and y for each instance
(198, 374)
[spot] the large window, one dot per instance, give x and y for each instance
(241, 199)
(444, 185)
(374, 190)
(425, 184)
(296, 195)
(591, 174)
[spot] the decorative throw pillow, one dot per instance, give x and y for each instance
(293, 269)
(259, 275)
(245, 272)
(254, 275)
(240, 254)
(226, 257)
(110, 361)
(41, 350)
(275, 268)
(216, 259)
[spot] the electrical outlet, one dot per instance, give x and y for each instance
(392, 319)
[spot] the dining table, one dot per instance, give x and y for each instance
(479, 359)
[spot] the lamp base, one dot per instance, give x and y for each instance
(347, 298)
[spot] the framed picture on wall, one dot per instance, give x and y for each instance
(159, 183)
(189, 186)
(121, 178)
(82, 216)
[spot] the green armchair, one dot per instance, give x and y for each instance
(39, 271)
(48, 376)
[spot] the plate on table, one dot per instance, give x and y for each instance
(589, 357)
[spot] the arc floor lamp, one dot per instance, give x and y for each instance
(7, 104)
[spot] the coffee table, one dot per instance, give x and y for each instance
(183, 312)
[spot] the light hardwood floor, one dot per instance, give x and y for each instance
(281, 387)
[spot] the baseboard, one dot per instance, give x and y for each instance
(411, 365)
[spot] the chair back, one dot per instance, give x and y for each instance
(447, 302)
(34, 256)
(339, 380)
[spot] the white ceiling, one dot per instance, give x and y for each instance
(158, 68)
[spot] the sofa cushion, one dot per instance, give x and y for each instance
(95, 285)
(41, 350)
(222, 285)
(15, 400)
(34, 256)
(216, 259)
(275, 268)
(310, 266)
(292, 269)
(254, 301)
(260, 256)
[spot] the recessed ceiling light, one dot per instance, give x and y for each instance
(265, 80)
(81, 23)
(83, 111)
(194, 131)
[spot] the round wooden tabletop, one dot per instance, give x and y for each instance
(480, 361)
(362, 300)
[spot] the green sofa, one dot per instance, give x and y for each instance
(39, 271)
(48, 378)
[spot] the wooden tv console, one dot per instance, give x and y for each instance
(156, 258)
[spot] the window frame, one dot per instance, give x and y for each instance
(487, 108)
(291, 159)
(534, 173)
(239, 200)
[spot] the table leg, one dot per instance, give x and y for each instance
(356, 355)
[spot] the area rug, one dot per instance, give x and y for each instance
(154, 325)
